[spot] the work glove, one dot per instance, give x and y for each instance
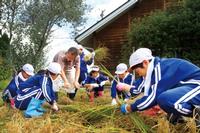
(114, 102)
(54, 106)
(126, 99)
(120, 86)
(124, 87)
(103, 83)
(123, 109)
(94, 85)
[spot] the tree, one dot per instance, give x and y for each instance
(32, 23)
(5, 69)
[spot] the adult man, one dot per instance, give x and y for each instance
(173, 84)
(69, 60)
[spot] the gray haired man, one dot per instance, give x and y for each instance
(69, 61)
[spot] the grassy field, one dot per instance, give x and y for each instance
(82, 116)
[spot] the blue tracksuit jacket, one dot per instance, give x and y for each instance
(39, 86)
(175, 87)
(128, 79)
(98, 80)
(83, 67)
(12, 89)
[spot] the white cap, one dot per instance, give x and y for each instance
(28, 68)
(79, 46)
(54, 67)
(94, 68)
(139, 56)
(121, 68)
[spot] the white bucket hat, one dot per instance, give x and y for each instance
(28, 68)
(139, 56)
(54, 67)
(94, 68)
(121, 68)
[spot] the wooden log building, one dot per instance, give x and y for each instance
(111, 31)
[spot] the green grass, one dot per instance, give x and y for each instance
(3, 84)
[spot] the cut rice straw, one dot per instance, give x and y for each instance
(102, 54)
(107, 72)
(140, 124)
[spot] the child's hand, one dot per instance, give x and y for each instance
(104, 82)
(123, 87)
(125, 108)
(54, 106)
(114, 102)
(89, 87)
(120, 86)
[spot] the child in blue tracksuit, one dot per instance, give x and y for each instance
(84, 63)
(173, 84)
(122, 76)
(36, 90)
(11, 90)
(95, 83)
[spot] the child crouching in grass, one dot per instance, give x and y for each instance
(94, 83)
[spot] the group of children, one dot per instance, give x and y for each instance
(173, 84)
(28, 92)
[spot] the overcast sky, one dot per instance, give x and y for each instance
(61, 37)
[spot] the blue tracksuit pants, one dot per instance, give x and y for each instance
(180, 100)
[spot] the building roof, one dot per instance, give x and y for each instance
(87, 34)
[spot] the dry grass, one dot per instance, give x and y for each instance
(82, 116)
(101, 55)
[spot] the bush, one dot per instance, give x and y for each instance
(3, 84)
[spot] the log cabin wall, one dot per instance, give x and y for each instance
(114, 35)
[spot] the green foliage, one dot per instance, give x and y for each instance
(4, 45)
(5, 69)
(3, 84)
(29, 25)
(170, 33)
(5, 72)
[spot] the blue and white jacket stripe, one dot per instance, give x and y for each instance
(12, 87)
(167, 74)
(40, 82)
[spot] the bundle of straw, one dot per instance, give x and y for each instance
(140, 124)
(70, 108)
(95, 114)
(101, 55)
(107, 72)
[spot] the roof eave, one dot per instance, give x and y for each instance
(105, 21)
